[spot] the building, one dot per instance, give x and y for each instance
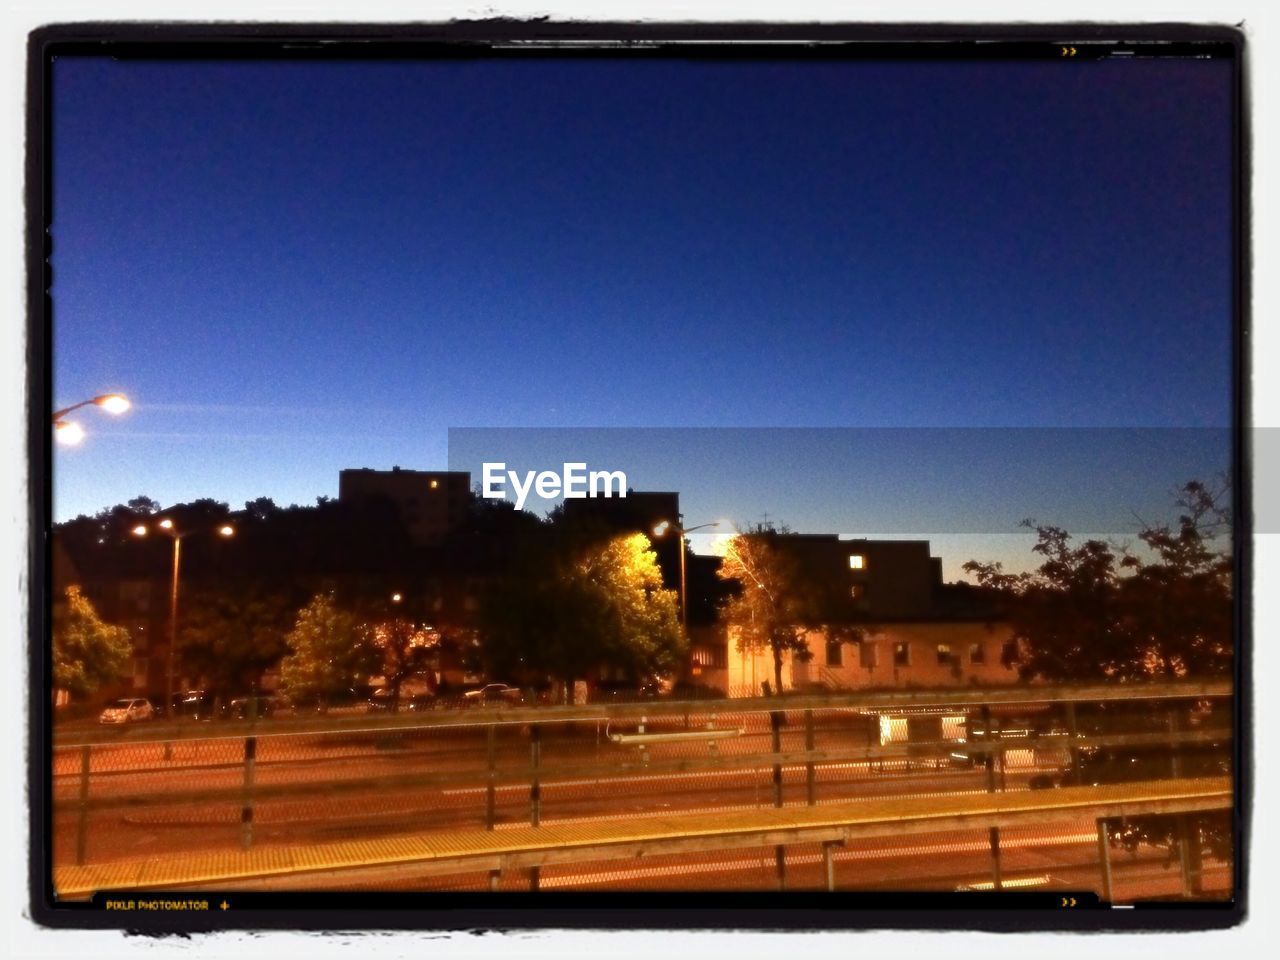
(888, 621)
(432, 504)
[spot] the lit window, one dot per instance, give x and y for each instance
(857, 561)
(902, 654)
(435, 484)
(944, 653)
(977, 653)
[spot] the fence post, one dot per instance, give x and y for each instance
(1104, 857)
(489, 801)
(246, 804)
(779, 852)
(82, 823)
(993, 833)
(808, 767)
(1183, 832)
(829, 865)
(1073, 729)
(535, 786)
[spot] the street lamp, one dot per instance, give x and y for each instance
(660, 530)
(166, 525)
(70, 433)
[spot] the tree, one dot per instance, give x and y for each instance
(571, 607)
(1093, 611)
(401, 647)
(772, 610)
(87, 652)
(144, 505)
(328, 652)
(232, 635)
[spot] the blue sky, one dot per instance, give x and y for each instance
(295, 268)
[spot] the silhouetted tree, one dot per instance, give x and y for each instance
(1093, 612)
(233, 633)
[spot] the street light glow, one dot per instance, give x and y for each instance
(396, 598)
(166, 523)
(661, 528)
(140, 530)
(68, 433)
(116, 403)
(227, 530)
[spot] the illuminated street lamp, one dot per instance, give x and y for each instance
(660, 530)
(166, 525)
(68, 433)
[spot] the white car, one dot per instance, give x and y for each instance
(127, 710)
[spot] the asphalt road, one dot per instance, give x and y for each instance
(1059, 856)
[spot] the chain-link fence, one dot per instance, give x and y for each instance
(158, 790)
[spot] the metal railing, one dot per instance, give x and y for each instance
(198, 787)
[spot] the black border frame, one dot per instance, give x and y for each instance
(504, 37)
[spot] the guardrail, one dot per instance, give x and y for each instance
(495, 766)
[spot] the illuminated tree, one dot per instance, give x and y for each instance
(329, 652)
(87, 652)
(571, 608)
(773, 610)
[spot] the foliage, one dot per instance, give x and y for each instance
(572, 607)
(773, 610)
(328, 652)
(87, 652)
(1092, 611)
(231, 635)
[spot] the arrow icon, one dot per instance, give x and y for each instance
(1069, 901)
(1068, 51)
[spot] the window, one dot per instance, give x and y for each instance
(977, 653)
(1009, 652)
(435, 484)
(857, 561)
(714, 658)
(835, 653)
(902, 654)
(867, 654)
(858, 591)
(944, 654)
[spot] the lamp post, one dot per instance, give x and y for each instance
(660, 530)
(70, 433)
(167, 526)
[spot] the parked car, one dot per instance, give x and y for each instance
(196, 704)
(127, 710)
(493, 694)
(258, 707)
(380, 702)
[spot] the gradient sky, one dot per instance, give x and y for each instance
(299, 267)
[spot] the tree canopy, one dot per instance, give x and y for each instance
(573, 607)
(328, 652)
(87, 652)
(772, 610)
(1093, 610)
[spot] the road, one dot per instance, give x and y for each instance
(1060, 857)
